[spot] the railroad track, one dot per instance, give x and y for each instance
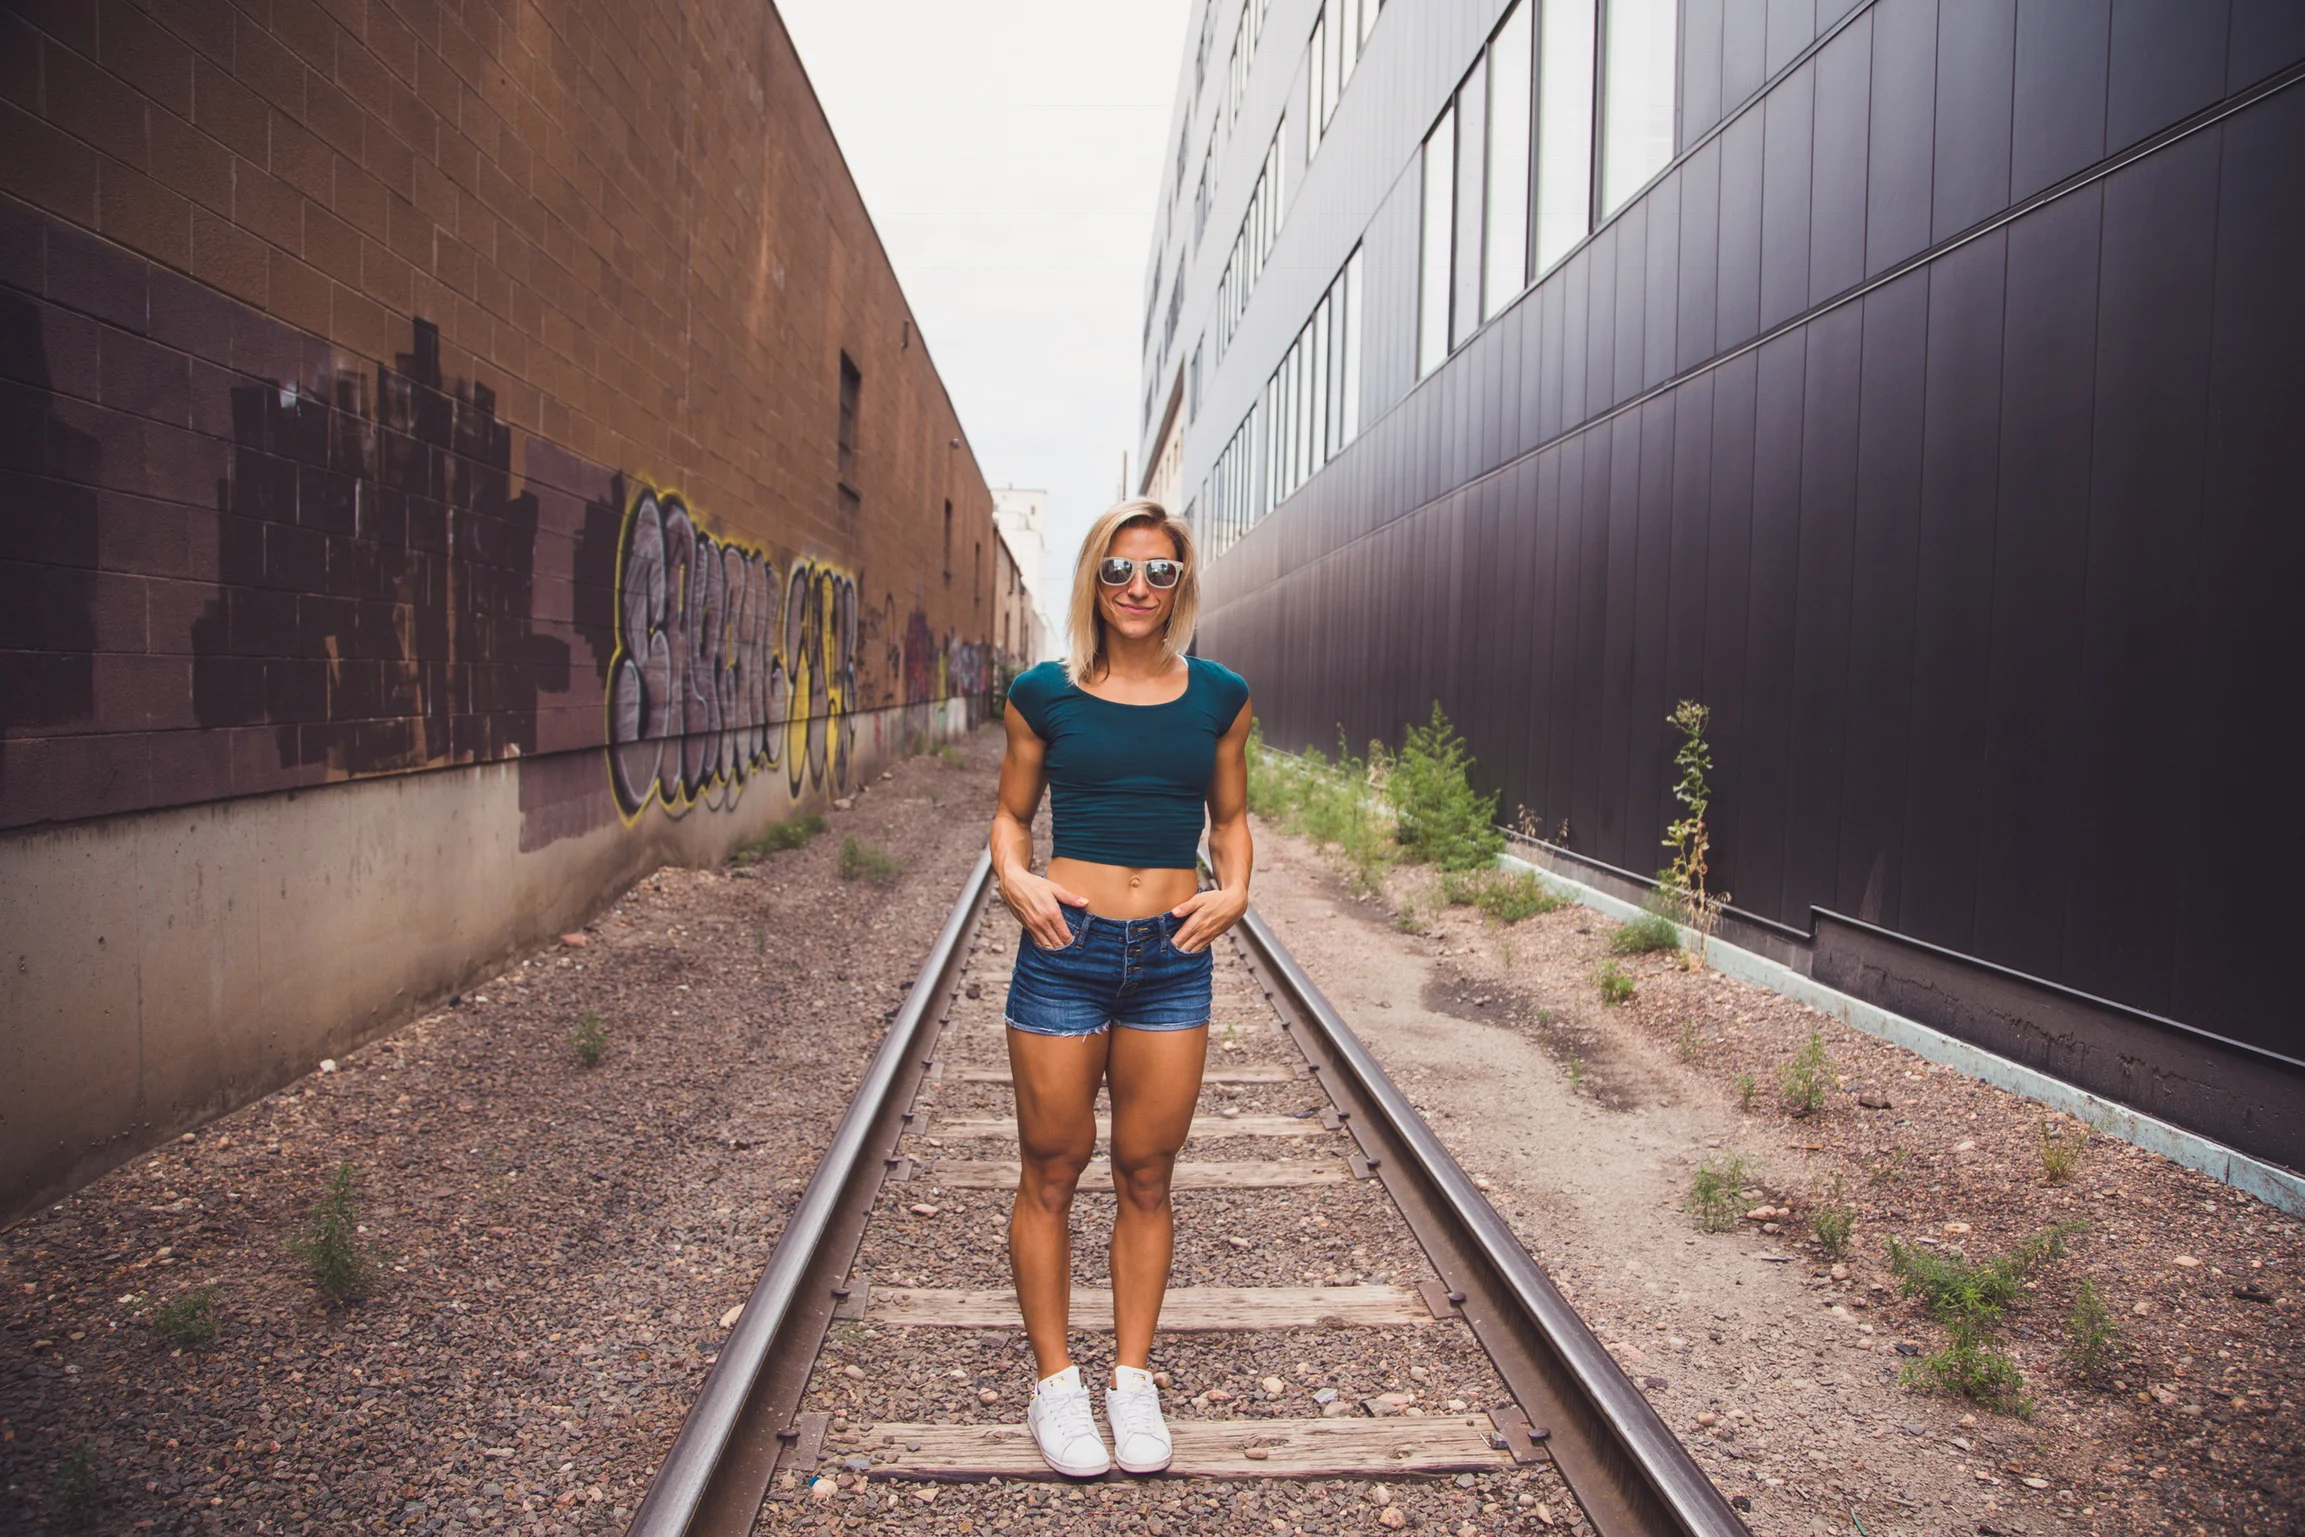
(1305, 1164)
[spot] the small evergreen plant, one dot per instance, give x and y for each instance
(1440, 818)
(334, 1255)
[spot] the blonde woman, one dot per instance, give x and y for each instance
(1134, 740)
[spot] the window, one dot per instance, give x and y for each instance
(1245, 34)
(1636, 98)
(1564, 128)
(1338, 33)
(1184, 148)
(851, 384)
(1201, 193)
(1504, 271)
(1312, 403)
(1193, 386)
(948, 543)
(976, 578)
(1152, 305)
(1208, 40)
(1435, 262)
(1320, 81)
(1260, 227)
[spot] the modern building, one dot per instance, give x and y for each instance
(1911, 382)
(450, 469)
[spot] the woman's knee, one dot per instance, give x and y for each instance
(1143, 1182)
(1048, 1180)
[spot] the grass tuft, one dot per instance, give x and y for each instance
(862, 861)
(1715, 1195)
(1970, 1367)
(2061, 1154)
(590, 1038)
(2092, 1338)
(1968, 1297)
(1649, 932)
(190, 1321)
(1690, 1040)
(777, 837)
(76, 1486)
(1746, 1089)
(334, 1255)
(1614, 984)
(1808, 1078)
(1836, 1220)
(1502, 894)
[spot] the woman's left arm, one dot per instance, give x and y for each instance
(1208, 914)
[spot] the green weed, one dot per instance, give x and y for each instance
(862, 861)
(1746, 1089)
(2061, 1154)
(1808, 1078)
(590, 1037)
(1690, 1040)
(334, 1255)
(1968, 1298)
(190, 1321)
(1682, 883)
(1615, 986)
(76, 1487)
(1502, 894)
(1836, 1219)
(1886, 1171)
(1972, 1368)
(1715, 1195)
(2092, 1338)
(1439, 818)
(776, 837)
(1641, 935)
(1575, 1067)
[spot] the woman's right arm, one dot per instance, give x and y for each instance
(1037, 902)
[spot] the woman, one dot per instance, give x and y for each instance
(1133, 739)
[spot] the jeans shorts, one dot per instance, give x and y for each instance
(1116, 971)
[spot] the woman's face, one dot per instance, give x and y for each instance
(1138, 610)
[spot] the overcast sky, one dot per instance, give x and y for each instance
(1010, 154)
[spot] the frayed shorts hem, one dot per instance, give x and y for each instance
(1125, 1024)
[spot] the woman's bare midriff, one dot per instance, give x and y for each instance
(1118, 891)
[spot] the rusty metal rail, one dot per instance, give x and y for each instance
(717, 1473)
(1633, 1478)
(1631, 1474)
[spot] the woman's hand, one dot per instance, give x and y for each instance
(1039, 905)
(1206, 915)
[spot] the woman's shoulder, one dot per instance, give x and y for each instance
(1230, 688)
(1035, 689)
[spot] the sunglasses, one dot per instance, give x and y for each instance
(1119, 571)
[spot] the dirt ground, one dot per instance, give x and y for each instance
(557, 1243)
(1783, 1370)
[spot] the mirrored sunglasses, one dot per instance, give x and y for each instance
(1119, 571)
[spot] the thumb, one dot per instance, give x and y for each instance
(1185, 908)
(1067, 897)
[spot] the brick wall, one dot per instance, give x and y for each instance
(388, 386)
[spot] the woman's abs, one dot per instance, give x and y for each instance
(1118, 891)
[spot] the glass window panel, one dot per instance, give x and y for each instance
(1506, 269)
(1564, 128)
(1636, 97)
(1353, 346)
(1440, 174)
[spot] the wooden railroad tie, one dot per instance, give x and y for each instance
(1185, 1310)
(1339, 1448)
(1188, 1176)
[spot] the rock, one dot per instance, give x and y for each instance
(328, 1064)
(1481, 1182)
(2182, 1261)
(1655, 1384)
(1392, 1516)
(1325, 1396)
(1455, 1406)
(1956, 1229)
(1708, 1418)
(1274, 1387)
(1256, 1453)
(1771, 1227)
(1160, 1379)
(2250, 1293)
(822, 1488)
(2142, 1307)
(844, 803)
(853, 1372)
(1544, 1512)
(1379, 1494)
(729, 1318)
(975, 989)
(1420, 1374)
(987, 1397)
(575, 941)
(2036, 1483)
(1239, 1242)
(1839, 1272)
(1875, 1101)
(1336, 1409)
(857, 1463)
(923, 1209)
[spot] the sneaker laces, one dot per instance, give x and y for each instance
(1067, 1413)
(1134, 1407)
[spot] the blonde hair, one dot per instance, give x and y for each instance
(1087, 642)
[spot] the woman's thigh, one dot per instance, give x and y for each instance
(1056, 1078)
(1156, 1082)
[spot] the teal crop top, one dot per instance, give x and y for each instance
(1127, 783)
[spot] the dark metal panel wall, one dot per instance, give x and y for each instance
(1980, 571)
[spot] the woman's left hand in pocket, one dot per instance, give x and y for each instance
(1206, 915)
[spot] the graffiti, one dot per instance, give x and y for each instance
(721, 668)
(935, 672)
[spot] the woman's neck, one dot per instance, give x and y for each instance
(1139, 660)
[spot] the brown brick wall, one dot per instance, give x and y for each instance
(345, 350)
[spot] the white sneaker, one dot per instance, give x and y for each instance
(1063, 1426)
(1140, 1437)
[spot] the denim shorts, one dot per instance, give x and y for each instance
(1116, 971)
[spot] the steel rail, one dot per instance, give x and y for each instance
(1629, 1472)
(717, 1472)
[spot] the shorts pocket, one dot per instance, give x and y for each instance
(1079, 933)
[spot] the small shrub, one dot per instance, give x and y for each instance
(76, 1488)
(331, 1247)
(1439, 818)
(1615, 986)
(590, 1037)
(190, 1321)
(1961, 1292)
(1575, 1067)
(1716, 1198)
(1836, 1219)
(776, 837)
(861, 861)
(1639, 936)
(1970, 1367)
(1808, 1078)
(1746, 1089)
(1682, 883)
(1690, 1040)
(2091, 1336)
(1502, 894)
(2061, 1154)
